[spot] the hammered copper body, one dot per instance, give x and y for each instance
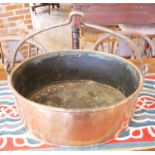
(76, 126)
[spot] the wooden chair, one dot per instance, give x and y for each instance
(9, 43)
(125, 52)
(90, 36)
(37, 5)
(147, 29)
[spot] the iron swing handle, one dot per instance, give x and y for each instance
(10, 65)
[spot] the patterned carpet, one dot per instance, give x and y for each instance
(140, 134)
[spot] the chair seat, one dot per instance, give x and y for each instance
(148, 29)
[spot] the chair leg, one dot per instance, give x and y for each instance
(146, 46)
(34, 8)
(52, 5)
(58, 5)
(49, 9)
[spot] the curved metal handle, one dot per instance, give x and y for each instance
(134, 50)
(71, 15)
(9, 66)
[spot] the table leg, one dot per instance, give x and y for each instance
(75, 37)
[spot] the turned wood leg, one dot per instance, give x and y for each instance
(52, 5)
(34, 8)
(75, 37)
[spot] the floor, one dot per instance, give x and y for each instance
(59, 38)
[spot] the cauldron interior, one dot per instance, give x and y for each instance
(61, 66)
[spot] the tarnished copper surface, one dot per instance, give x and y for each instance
(77, 127)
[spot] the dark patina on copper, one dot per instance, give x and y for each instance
(76, 126)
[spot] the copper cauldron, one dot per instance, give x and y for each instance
(76, 126)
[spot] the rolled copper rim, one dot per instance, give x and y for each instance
(140, 84)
